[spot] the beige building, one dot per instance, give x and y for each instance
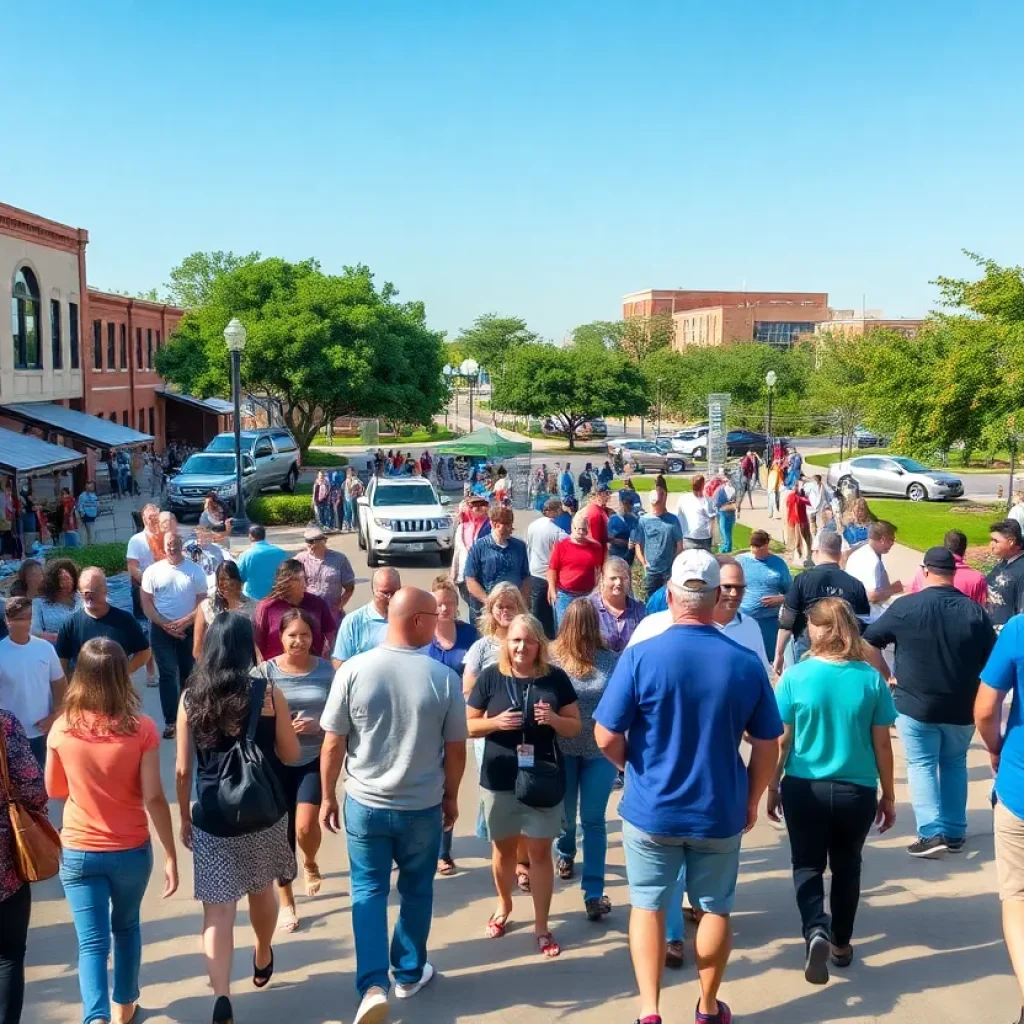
(849, 322)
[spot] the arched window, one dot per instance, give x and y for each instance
(25, 321)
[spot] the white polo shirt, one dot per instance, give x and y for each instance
(743, 629)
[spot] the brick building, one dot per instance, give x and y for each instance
(848, 321)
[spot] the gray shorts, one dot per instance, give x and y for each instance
(506, 817)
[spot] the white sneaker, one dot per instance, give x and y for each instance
(373, 1009)
(408, 991)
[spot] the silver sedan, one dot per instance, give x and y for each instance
(894, 476)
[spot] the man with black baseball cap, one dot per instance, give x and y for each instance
(943, 640)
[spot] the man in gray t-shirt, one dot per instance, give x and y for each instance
(396, 719)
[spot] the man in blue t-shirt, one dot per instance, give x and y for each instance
(1005, 672)
(566, 484)
(657, 539)
(498, 558)
(620, 530)
(673, 715)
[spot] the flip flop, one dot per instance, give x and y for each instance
(497, 924)
(289, 920)
(313, 880)
(547, 945)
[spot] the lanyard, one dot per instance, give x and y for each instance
(511, 690)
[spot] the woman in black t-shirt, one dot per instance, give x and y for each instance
(518, 706)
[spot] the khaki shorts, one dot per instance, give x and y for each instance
(506, 817)
(1009, 831)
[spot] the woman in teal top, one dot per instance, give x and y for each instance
(837, 711)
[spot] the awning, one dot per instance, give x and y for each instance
(217, 406)
(28, 455)
(94, 431)
(485, 442)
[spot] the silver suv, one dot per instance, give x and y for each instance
(204, 472)
(274, 452)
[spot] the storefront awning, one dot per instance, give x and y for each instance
(217, 406)
(93, 431)
(28, 455)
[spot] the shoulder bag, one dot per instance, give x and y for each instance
(36, 842)
(540, 785)
(248, 795)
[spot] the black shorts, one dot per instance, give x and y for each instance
(301, 783)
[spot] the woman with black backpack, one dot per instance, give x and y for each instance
(231, 724)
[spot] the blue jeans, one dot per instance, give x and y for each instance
(563, 599)
(350, 512)
(323, 514)
(376, 839)
(588, 784)
(937, 775)
(104, 891)
(726, 521)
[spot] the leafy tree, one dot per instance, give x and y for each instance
(325, 346)
(492, 339)
(602, 333)
(571, 385)
(192, 280)
(640, 336)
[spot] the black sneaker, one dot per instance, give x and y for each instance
(928, 847)
(816, 962)
(598, 907)
(955, 845)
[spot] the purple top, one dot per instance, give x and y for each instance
(617, 629)
(27, 784)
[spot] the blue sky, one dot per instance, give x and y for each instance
(537, 159)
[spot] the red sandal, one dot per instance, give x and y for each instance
(497, 925)
(547, 945)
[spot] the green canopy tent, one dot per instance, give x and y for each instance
(485, 443)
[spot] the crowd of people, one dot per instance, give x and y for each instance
(734, 682)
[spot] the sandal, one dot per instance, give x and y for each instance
(497, 925)
(446, 867)
(565, 868)
(523, 877)
(311, 873)
(547, 945)
(261, 975)
(289, 920)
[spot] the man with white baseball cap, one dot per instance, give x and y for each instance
(673, 715)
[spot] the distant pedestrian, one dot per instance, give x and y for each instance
(1006, 580)
(606, 474)
(58, 598)
(598, 514)
(498, 557)
(322, 499)
(472, 525)
(352, 491)
(329, 573)
(627, 492)
(867, 565)
(798, 524)
(727, 506)
(749, 467)
(819, 494)
(620, 529)
(586, 481)
(773, 485)
(228, 596)
(566, 484)
(574, 566)
(258, 563)
(89, 510)
(695, 512)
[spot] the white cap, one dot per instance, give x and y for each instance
(694, 567)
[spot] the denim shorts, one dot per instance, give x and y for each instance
(707, 868)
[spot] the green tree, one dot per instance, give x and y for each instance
(492, 339)
(192, 280)
(325, 346)
(602, 333)
(571, 385)
(640, 336)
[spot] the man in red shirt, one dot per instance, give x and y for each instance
(574, 567)
(799, 526)
(598, 515)
(968, 581)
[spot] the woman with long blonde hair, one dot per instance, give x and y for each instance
(104, 761)
(519, 706)
(837, 711)
(583, 655)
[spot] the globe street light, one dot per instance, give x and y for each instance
(234, 335)
(770, 379)
(469, 369)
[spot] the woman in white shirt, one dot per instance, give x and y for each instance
(695, 514)
(58, 598)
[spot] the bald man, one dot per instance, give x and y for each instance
(97, 617)
(367, 626)
(399, 719)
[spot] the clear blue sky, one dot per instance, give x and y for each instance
(531, 158)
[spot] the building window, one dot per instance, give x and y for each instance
(113, 417)
(73, 333)
(149, 348)
(25, 307)
(97, 344)
(111, 346)
(152, 421)
(781, 333)
(55, 336)
(138, 348)
(124, 417)
(124, 347)
(158, 341)
(142, 421)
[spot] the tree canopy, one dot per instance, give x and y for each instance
(323, 345)
(492, 339)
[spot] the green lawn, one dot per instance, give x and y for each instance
(921, 524)
(643, 483)
(415, 438)
(325, 459)
(1000, 463)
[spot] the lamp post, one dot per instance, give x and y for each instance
(469, 369)
(234, 335)
(770, 379)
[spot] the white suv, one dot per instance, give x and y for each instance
(404, 516)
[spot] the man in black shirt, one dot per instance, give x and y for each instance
(98, 617)
(943, 640)
(1006, 580)
(826, 579)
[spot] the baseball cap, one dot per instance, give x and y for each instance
(313, 532)
(477, 499)
(696, 569)
(941, 560)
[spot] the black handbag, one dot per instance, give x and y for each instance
(249, 797)
(541, 785)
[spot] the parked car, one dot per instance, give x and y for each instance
(739, 442)
(204, 472)
(274, 452)
(399, 516)
(592, 428)
(864, 438)
(646, 455)
(692, 441)
(894, 477)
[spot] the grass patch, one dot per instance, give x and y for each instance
(109, 557)
(921, 525)
(643, 483)
(415, 438)
(324, 459)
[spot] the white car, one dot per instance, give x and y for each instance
(692, 441)
(404, 515)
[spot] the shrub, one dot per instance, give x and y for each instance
(109, 557)
(281, 509)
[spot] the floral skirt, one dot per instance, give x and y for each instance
(227, 868)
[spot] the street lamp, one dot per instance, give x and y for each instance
(234, 335)
(770, 379)
(469, 369)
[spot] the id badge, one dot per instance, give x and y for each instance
(524, 751)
